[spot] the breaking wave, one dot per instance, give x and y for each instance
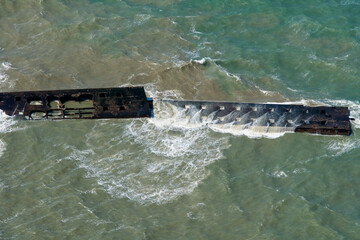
(149, 161)
(341, 146)
(7, 124)
(158, 160)
(155, 161)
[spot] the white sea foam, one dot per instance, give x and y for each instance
(255, 132)
(221, 69)
(150, 161)
(6, 123)
(4, 78)
(193, 29)
(349, 2)
(305, 102)
(265, 92)
(154, 161)
(6, 65)
(280, 174)
(293, 90)
(276, 173)
(340, 146)
(237, 78)
(2, 148)
(201, 61)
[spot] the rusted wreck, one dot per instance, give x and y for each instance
(126, 102)
(132, 102)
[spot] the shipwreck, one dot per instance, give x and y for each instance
(132, 102)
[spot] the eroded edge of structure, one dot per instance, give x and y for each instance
(96, 103)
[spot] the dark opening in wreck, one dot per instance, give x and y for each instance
(127, 102)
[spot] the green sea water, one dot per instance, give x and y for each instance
(157, 178)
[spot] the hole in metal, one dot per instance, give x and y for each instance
(37, 115)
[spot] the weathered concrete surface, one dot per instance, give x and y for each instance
(318, 120)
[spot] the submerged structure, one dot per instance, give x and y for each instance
(131, 102)
(269, 117)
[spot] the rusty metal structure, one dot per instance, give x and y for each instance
(126, 102)
(131, 102)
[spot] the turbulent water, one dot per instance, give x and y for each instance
(165, 178)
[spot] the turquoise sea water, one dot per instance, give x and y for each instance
(159, 179)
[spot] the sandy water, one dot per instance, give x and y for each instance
(163, 178)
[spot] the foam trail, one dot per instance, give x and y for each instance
(4, 78)
(338, 147)
(7, 124)
(155, 161)
(150, 161)
(2, 147)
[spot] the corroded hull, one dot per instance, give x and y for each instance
(127, 102)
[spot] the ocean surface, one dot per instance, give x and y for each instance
(161, 179)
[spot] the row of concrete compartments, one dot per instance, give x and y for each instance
(238, 108)
(67, 101)
(59, 114)
(239, 119)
